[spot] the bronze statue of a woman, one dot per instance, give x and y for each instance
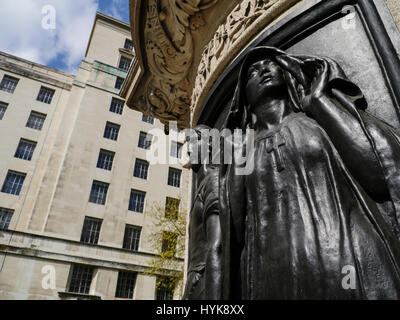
(322, 202)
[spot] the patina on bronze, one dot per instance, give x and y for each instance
(324, 195)
(205, 248)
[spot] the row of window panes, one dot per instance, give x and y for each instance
(91, 233)
(3, 109)
(82, 276)
(35, 120)
(5, 218)
(8, 84)
(98, 195)
(128, 45)
(124, 64)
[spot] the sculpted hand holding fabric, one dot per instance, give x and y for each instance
(324, 193)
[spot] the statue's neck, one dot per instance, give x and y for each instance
(271, 113)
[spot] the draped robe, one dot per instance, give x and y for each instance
(309, 223)
(300, 226)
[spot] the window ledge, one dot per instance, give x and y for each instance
(77, 296)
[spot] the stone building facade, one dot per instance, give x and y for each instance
(76, 189)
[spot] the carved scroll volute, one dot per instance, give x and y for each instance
(169, 53)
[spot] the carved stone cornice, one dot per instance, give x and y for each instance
(166, 42)
(182, 46)
(247, 19)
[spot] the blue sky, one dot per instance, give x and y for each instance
(53, 32)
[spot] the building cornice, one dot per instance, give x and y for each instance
(110, 20)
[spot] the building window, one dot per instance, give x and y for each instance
(132, 238)
(141, 169)
(98, 194)
(106, 159)
(3, 109)
(91, 230)
(117, 106)
(126, 285)
(45, 95)
(136, 202)
(172, 208)
(145, 140)
(148, 119)
(112, 130)
(169, 242)
(174, 177)
(128, 45)
(119, 82)
(124, 64)
(25, 150)
(81, 279)
(165, 288)
(36, 120)
(8, 84)
(5, 218)
(13, 183)
(176, 150)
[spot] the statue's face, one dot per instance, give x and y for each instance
(264, 78)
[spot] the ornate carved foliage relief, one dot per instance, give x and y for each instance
(169, 53)
(248, 18)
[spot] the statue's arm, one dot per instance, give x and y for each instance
(213, 271)
(353, 144)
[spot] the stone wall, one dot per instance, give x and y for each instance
(394, 6)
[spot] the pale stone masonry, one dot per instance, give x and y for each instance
(48, 214)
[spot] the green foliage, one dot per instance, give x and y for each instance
(168, 242)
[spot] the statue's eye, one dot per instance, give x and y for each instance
(252, 73)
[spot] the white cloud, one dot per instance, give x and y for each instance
(115, 8)
(22, 33)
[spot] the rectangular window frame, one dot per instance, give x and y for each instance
(105, 160)
(134, 204)
(118, 83)
(128, 44)
(16, 187)
(91, 230)
(45, 95)
(124, 64)
(147, 119)
(174, 177)
(111, 131)
(145, 141)
(100, 196)
(5, 218)
(9, 84)
(25, 149)
(132, 237)
(117, 106)
(126, 285)
(176, 149)
(36, 120)
(81, 277)
(3, 109)
(141, 170)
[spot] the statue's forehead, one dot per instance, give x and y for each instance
(258, 61)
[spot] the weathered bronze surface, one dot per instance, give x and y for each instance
(324, 193)
(205, 247)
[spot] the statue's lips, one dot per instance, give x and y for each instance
(265, 80)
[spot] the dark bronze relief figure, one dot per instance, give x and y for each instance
(323, 200)
(204, 279)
